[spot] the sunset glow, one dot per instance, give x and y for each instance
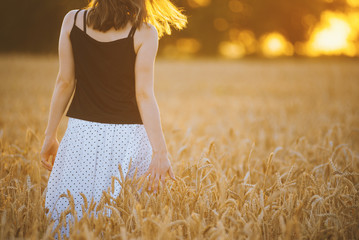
(335, 34)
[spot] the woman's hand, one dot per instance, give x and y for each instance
(159, 167)
(50, 146)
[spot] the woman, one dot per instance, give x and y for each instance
(106, 54)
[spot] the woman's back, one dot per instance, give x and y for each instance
(104, 69)
(108, 36)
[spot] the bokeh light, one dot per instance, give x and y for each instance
(182, 48)
(188, 45)
(275, 44)
(198, 3)
(240, 43)
(231, 28)
(220, 24)
(235, 6)
(231, 49)
(335, 34)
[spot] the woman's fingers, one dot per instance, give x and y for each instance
(170, 171)
(148, 172)
(157, 179)
(158, 171)
(163, 176)
(49, 149)
(147, 175)
(53, 158)
(46, 164)
(151, 179)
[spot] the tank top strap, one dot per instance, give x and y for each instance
(85, 21)
(132, 31)
(76, 15)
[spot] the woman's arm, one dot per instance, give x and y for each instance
(144, 71)
(64, 87)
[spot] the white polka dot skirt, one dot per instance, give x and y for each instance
(88, 156)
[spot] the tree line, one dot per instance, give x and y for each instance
(33, 26)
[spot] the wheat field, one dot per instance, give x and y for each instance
(261, 150)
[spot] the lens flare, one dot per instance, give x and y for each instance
(275, 44)
(335, 34)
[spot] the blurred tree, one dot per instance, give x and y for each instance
(34, 25)
(200, 25)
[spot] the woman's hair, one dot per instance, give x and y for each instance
(105, 14)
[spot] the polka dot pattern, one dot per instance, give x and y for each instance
(88, 156)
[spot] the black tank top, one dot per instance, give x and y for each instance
(105, 87)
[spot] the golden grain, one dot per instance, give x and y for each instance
(272, 155)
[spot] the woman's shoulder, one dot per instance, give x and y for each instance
(146, 34)
(147, 30)
(69, 18)
(70, 14)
